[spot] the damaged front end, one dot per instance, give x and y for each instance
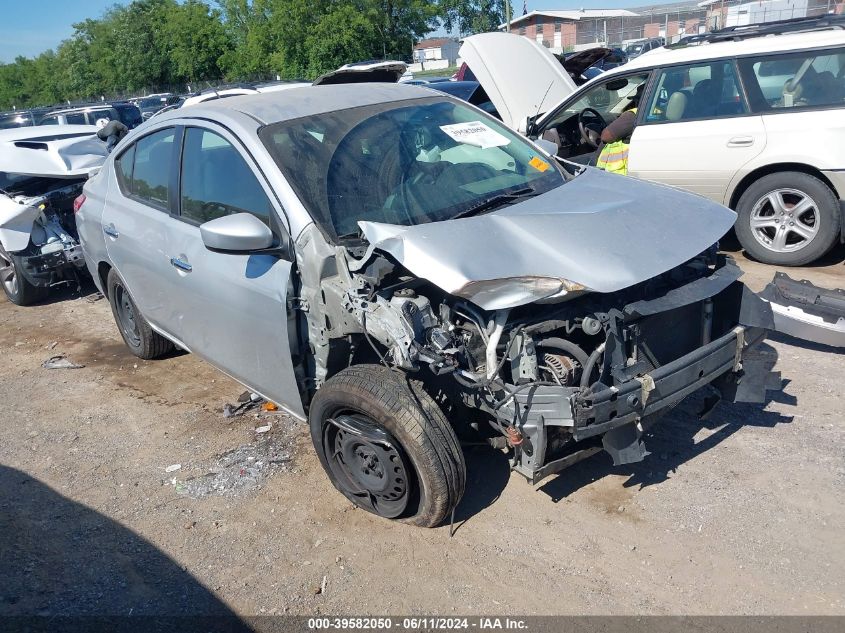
(556, 380)
(42, 172)
(38, 238)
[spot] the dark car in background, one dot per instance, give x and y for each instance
(469, 91)
(88, 114)
(635, 49)
(20, 118)
(153, 103)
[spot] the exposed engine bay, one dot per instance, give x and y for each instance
(38, 229)
(42, 172)
(557, 380)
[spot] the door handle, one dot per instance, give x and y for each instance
(181, 264)
(741, 141)
(111, 231)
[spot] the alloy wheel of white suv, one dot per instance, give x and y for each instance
(788, 218)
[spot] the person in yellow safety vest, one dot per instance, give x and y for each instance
(615, 138)
(614, 153)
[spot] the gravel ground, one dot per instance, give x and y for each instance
(738, 514)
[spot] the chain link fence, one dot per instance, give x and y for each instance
(670, 22)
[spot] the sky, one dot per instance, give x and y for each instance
(32, 26)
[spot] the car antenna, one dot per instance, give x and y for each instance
(540, 105)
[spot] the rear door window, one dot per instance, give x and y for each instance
(217, 181)
(123, 169)
(699, 91)
(796, 80)
(76, 118)
(153, 160)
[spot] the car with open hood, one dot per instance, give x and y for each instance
(42, 171)
(400, 269)
(751, 117)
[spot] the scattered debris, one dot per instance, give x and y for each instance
(264, 429)
(239, 470)
(60, 362)
(94, 297)
(269, 406)
(173, 468)
(52, 345)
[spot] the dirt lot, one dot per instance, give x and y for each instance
(741, 514)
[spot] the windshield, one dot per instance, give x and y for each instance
(611, 97)
(634, 49)
(405, 163)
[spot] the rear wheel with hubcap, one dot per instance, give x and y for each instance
(788, 218)
(386, 445)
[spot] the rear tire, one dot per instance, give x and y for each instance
(788, 218)
(18, 290)
(386, 445)
(139, 337)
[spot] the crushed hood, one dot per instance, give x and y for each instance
(55, 151)
(522, 78)
(599, 232)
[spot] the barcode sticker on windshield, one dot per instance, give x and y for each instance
(475, 133)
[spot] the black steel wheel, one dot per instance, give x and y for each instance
(139, 337)
(368, 462)
(387, 446)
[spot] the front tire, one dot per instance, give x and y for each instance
(139, 337)
(788, 218)
(386, 445)
(18, 290)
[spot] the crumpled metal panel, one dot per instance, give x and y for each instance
(600, 231)
(55, 151)
(16, 223)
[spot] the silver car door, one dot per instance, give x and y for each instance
(135, 218)
(231, 309)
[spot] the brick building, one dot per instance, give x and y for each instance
(574, 30)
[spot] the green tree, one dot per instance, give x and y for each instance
(473, 16)
(195, 41)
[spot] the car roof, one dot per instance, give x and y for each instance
(101, 105)
(786, 42)
(274, 107)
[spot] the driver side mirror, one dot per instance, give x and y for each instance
(237, 233)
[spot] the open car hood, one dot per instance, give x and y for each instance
(364, 72)
(522, 78)
(599, 232)
(55, 151)
(576, 63)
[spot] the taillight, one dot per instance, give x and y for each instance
(78, 202)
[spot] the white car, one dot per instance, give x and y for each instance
(753, 118)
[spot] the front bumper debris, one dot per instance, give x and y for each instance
(657, 352)
(48, 269)
(806, 311)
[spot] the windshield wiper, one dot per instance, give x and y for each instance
(495, 201)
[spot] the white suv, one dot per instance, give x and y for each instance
(753, 118)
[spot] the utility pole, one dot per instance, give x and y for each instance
(508, 14)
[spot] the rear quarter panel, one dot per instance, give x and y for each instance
(813, 138)
(89, 221)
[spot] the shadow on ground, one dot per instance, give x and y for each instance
(63, 562)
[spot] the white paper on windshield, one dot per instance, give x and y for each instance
(475, 133)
